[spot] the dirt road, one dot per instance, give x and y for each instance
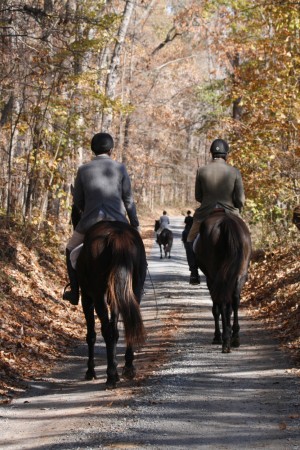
(187, 393)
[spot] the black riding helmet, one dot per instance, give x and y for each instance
(102, 143)
(219, 147)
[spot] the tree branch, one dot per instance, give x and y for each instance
(172, 34)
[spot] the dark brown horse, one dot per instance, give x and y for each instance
(223, 253)
(296, 216)
(164, 239)
(111, 270)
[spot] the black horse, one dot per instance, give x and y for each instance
(164, 239)
(111, 270)
(223, 253)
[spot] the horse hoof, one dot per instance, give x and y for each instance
(129, 372)
(235, 342)
(90, 375)
(112, 380)
(217, 341)
(110, 385)
(226, 350)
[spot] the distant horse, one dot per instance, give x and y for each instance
(296, 216)
(111, 270)
(223, 253)
(165, 239)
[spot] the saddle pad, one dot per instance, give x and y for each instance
(74, 255)
(195, 242)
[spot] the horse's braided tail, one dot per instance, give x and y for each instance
(230, 243)
(120, 288)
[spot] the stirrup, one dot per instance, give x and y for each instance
(66, 287)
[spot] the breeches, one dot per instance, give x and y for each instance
(194, 230)
(75, 240)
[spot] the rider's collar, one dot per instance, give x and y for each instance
(103, 155)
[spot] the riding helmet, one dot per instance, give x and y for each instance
(102, 143)
(219, 147)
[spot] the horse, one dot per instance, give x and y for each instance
(223, 253)
(296, 216)
(111, 270)
(165, 239)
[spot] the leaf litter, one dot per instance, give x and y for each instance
(37, 327)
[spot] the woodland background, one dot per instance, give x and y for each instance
(165, 78)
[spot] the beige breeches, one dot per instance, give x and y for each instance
(75, 240)
(194, 230)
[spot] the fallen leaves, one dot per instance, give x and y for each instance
(272, 294)
(36, 326)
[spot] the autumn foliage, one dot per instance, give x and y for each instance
(165, 78)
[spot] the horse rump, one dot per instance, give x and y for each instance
(165, 239)
(113, 262)
(223, 253)
(125, 284)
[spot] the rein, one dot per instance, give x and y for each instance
(155, 297)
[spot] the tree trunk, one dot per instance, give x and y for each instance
(112, 78)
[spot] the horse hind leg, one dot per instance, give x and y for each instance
(217, 336)
(90, 373)
(160, 251)
(129, 370)
(235, 339)
(88, 309)
(169, 251)
(110, 333)
(226, 327)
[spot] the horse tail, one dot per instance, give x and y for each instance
(120, 294)
(230, 251)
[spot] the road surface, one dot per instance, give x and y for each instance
(187, 393)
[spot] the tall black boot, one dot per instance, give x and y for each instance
(71, 295)
(191, 259)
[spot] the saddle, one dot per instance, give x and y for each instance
(217, 209)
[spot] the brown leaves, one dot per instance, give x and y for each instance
(36, 327)
(273, 294)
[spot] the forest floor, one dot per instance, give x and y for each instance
(37, 327)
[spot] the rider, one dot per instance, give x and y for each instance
(164, 222)
(218, 185)
(102, 191)
(188, 222)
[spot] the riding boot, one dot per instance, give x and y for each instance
(191, 259)
(71, 295)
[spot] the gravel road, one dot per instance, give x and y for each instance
(187, 393)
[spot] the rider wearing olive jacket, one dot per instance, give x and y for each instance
(102, 191)
(218, 185)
